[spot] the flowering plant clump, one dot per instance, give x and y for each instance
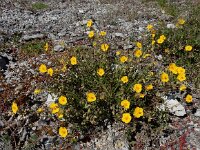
(98, 85)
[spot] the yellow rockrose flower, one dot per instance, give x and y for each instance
(138, 112)
(37, 91)
(91, 34)
(163, 37)
(182, 87)
(54, 108)
(181, 77)
(138, 53)
(173, 68)
(43, 68)
(126, 117)
(139, 45)
(149, 27)
(188, 48)
(91, 97)
(62, 100)
(160, 41)
(123, 59)
(39, 110)
(137, 88)
(100, 72)
(118, 53)
(50, 72)
(125, 103)
(181, 21)
(149, 87)
(104, 47)
(180, 70)
(141, 95)
(14, 107)
(124, 79)
(89, 23)
(63, 132)
(188, 98)
(46, 47)
(153, 42)
(164, 77)
(73, 60)
(102, 33)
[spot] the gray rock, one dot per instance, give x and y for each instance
(58, 48)
(197, 114)
(32, 37)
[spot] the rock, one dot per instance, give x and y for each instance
(128, 47)
(170, 26)
(58, 48)
(174, 107)
(197, 114)
(32, 37)
(51, 98)
(119, 35)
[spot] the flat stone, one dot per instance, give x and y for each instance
(58, 48)
(32, 37)
(197, 114)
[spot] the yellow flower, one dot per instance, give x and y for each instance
(153, 35)
(181, 77)
(46, 47)
(138, 53)
(37, 91)
(124, 79)
(149, 27)
(126, 117)
(188, 48)
(50, 72)
(43, 68)
(104, 47)
(146, 55)
(139, 45)
(160, 41)
(62, 100)
(188, 98)
(180, 70)
(63, 132)
(118, 53)
(91, 34)
(39, 110)
(73, 60)
(182, 87)
(60, 116)
(163, 37)
(103, 33)
(54, 108)
(100, 72)
(89, 23)
(14, 107)
(64, 68)
(125, 103)
(123, 59)
(153, 42)
(164, 77)
(142, 95)
(137, 88)
(138, 112)
(173, 68)
(181, 21)
(91, 97)
(149, 87)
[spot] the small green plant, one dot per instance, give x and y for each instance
(39, 6)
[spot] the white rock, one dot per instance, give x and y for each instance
(170, 26)
(197, 114)
(174, 107)
(119, 35)
(51, 98)
(58, 48)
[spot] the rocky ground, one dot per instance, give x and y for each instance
(64, 21)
